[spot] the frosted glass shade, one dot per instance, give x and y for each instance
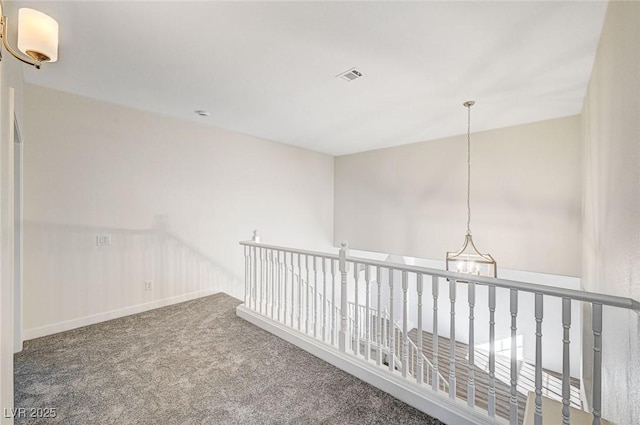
(470, 261)
(37, 35)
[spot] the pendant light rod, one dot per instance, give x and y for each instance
(468, 259)
(468, 104)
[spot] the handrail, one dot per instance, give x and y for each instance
(578, 295)
(291, 250)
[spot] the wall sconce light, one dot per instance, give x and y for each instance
(37, 37)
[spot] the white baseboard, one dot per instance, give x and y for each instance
(422, 398)
(112, 314)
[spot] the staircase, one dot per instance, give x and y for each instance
(551, 387)
(369, 349)
(388, 344)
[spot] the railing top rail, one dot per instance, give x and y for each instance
(592, 297)
(291, 250)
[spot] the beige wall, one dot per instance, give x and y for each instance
(611, 216)
(176, 198)
(525, 197)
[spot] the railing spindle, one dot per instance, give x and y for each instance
(379, 320)
(566, 378)
(262, 279)
(286, 297)
(596, 325)
(315, 298)
(265, 282)
(405, 318)
(264, 289)
(278, 298)
(276, 285)
(293, 291)
(513, 400)
(471, 386)
(333, 303)
(324, 298)
(367, 337)
(306, 295)
(300, 291)
(420, 366)
(539, 313)
(491, 396)
(356, 316)
(273, 283)
(255, 278)
(435, 290)
(343, 298)
(390, 328)
(452, 340)
(247, 276)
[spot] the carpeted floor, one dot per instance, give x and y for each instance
(191, 363)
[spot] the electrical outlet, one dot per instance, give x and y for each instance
(148, 285)
(103, 239)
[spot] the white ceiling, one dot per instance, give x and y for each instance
(269, 69)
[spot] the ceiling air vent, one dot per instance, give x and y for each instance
(350, 75)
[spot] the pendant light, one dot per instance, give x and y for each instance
(468, 259)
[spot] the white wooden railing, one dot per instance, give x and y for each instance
(330, 297)
(391, 340)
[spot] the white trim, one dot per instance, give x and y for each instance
(420, 397)
(112, 314)
(18, 237)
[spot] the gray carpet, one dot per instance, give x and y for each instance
(192, 363)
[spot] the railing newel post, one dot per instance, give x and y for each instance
(247, 275)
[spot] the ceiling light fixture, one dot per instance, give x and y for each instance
(468, 259)
(202, 113)
(37, 37)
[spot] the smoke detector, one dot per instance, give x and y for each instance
(350, 75)
(201, 113)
